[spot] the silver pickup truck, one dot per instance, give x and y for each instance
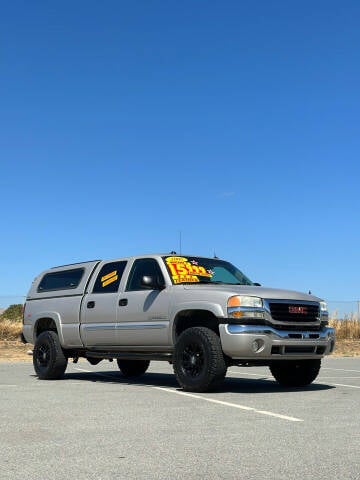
(200, 314)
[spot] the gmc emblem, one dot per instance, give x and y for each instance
(299, 310)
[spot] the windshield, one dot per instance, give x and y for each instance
(203, 270)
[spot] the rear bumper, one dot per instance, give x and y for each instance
(262, 342)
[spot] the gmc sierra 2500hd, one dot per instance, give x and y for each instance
(199, 314)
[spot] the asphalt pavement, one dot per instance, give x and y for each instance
(95, 425)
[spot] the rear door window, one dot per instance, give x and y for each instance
(109, 277)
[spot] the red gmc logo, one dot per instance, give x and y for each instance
(296, 309)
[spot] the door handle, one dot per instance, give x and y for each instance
(90, 304)
(123, 302)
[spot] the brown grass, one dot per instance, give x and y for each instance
(347, 328)
(10, 329)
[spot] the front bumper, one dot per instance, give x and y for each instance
(262, 342)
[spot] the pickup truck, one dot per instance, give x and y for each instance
(200, 314)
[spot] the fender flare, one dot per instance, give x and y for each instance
(53, 316)
(213, 308)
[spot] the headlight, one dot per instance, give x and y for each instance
(245, 301)
(245, 306)
(323, 307)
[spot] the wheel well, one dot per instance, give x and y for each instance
(44, 324)
(195, 318)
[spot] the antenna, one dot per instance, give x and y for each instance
(215, 256)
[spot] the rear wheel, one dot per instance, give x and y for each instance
(199, 363)
(48, 357)
(295, 373)
(133, 368)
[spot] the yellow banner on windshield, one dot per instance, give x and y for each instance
(183, 270)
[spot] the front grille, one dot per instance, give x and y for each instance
(294, 312)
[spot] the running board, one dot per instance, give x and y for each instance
(129, 355)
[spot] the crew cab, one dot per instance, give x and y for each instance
(200, 314)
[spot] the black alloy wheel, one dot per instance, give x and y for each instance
(193, 359)
(42, 356)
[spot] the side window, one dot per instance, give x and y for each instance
(141, 267)
(62, 280)
(108, 279)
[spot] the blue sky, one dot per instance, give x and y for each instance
(234, 122)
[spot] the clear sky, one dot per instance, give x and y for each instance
(235, 122)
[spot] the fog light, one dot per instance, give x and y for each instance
(257, 345)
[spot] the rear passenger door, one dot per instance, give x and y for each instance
(143, 314)
(99, 308)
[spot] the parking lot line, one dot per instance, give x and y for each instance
(233, 405)
(343, 385)
(340, 369)
(211, 400)
(240, 374)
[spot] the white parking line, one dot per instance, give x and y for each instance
(106, 375)
(340, 369)
(240, 374)
(228, 404)
(8, 386)
(211, 400)
(320, 379)
(343, 385)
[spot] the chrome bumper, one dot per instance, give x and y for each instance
(249, 342)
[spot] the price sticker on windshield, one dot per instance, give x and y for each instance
(184, 270)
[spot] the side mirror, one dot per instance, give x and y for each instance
(152, 283)
(257, 284)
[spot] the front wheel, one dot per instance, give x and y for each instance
(48, 357)
(295, 373)
(133, 368)
(199, 363)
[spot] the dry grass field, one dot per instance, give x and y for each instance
(347, 328)
(11, 349)
(10, 329)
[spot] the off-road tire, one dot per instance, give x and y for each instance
(133, 368)
(198, 361)
(48, 357)
(295, 373)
